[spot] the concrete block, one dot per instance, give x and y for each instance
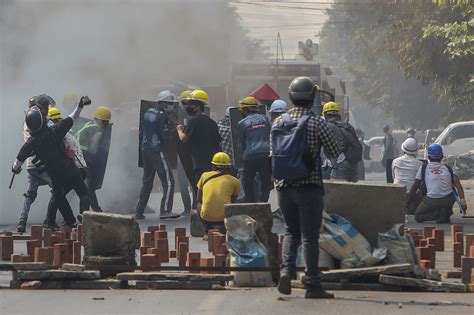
(76, 252)
(147, 239)
(74, 267)
(428, 285)
(31, 245)
(466, 269)
(60, 254)
(110, 235)
(428, 231)
(455, 228)
(371, 208)
(173, 285)
(106, 284)
(174, 276)
(47, 237)
(30, 266)
(6, 247)
(261, 212)
(439, 240)
(37, 232)
(457, 254)
(58, 275)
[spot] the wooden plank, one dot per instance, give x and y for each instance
(173, 285)
(423, 284)
(151, 276)
(58, 275)
(352, 273)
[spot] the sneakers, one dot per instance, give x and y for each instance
(139, 216)
(52, 227)
(21, 228)
(169, 215)
(284, 285)
(318, 293)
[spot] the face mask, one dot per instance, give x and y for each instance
(169, 108)
(191, 111)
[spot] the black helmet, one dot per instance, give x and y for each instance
(34, 119)
(43, 101)
(301, 89)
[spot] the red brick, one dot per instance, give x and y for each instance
(428, 231)
(41, 254)
(162, 227)
(179, 240)
(471, 251)
(147, 239)
(79, 233)
(457, 254)
(31, 245)
(70, 251)
(47, 237)
(178, 232)
(468, 243)
(219, 240)
(15, 258)
(470, 287)
(467, 264)
(423, 243)
(152, 228)
(220, 261)
(193, 259)
(416, 240)
(207, 262)
(163, 247)
(172, 254)
(76, 252)
(423, 253)
(152, 251)
(210, 239)
(432, 249)
(455, 228)
(439, 240)
(183, 251)
(66, 232)
(37, 232)
(60, 254)
(7, 233)
(161, 234)
(55, 239)
(426, 264)
(143, 250)
(6, 247)
(149, 262)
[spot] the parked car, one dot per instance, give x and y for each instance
(457, 138)
(430, 137)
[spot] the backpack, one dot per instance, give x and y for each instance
(424, 190)
(291, 158)
(354, 149)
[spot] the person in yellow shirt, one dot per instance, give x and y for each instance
(215, 189)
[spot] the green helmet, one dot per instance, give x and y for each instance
(301, 89)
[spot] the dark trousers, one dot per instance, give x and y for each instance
(251, 168)
(431, 209)
(183, 187)
(61, 184)
(156, 162)
(302, 209)
(92, 193)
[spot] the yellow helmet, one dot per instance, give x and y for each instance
(199, 95)
(186, 94)
(54, 113)
(331, 107)
(221, 159)
(103, 113)
(248, 101)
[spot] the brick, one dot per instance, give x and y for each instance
(439, 240)
(172, 254)
(148, 261)
(220, 261)
(37, 232)
(152, 251)
(76, 252)
(193, 259)
(41, 254)
(161, 227)
(179, 240)
(147, 239)
(207, 262)
(161, 234)
(47, 237)
(470, 287)
(219, 244)
(55, 239)
(467, 264)
(6, 247)
(416, 240)
(66, 232)
(210, 239)
(427, 264)
(471, 251)
(432, 249)
(60, 254)
(457, 254)
(80, 234)
(423, 253)
(7, 233)
(15, 258)
(163, 248)
(152, 228)
(31, 245)
(455, 228)
(423, 243)
(180, 232)
(60, 235)
(469, 241)
(70, 251)
(428, 231)
(143, 250)
(182, 254)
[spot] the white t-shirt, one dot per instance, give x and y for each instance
(438, 180)
(404, 170)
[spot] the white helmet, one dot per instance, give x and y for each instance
(278, 106)
(410, 146)
(167, 96)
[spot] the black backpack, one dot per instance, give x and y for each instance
(354, 149)
(424, 190)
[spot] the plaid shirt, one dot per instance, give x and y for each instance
(224, 131)
(318, 135)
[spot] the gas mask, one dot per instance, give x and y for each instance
(191, 110)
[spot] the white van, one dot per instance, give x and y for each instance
(457, 138)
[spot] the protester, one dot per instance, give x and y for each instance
(277, 108)
(439, 185)
(224, 132)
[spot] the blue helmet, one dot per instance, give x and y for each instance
(435, 151)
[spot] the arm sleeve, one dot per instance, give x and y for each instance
(418, 174)
(25, 152)
(190, 128)
(242, 136)
(199, 183)
(62, 127)
(76, 113)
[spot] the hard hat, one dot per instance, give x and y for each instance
(70, 98)
(278, 106)
(199, 95)
(248, 101)
(34, 119)
(221, 159)
(331, 107)
(54, 113)
(44, 101)
(103, 113)
(185, 94)
(435, 151)
(301, 89)
(167, 96)
(410, 146)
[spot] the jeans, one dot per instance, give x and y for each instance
(251, 168)
(346, 171)
(302, 209)
(155, 162)
(35, 179)
(70, 179)
(431, 209)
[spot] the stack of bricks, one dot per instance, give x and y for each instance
(6, 246)
(427, 242)
(154, 248)
(467, 263)
(457, 238)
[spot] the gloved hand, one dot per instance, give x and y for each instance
(85, 100)
(464, 204)
(17, 171)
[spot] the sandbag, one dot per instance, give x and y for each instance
(246, 251)
(400, 247)
(343, 242)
